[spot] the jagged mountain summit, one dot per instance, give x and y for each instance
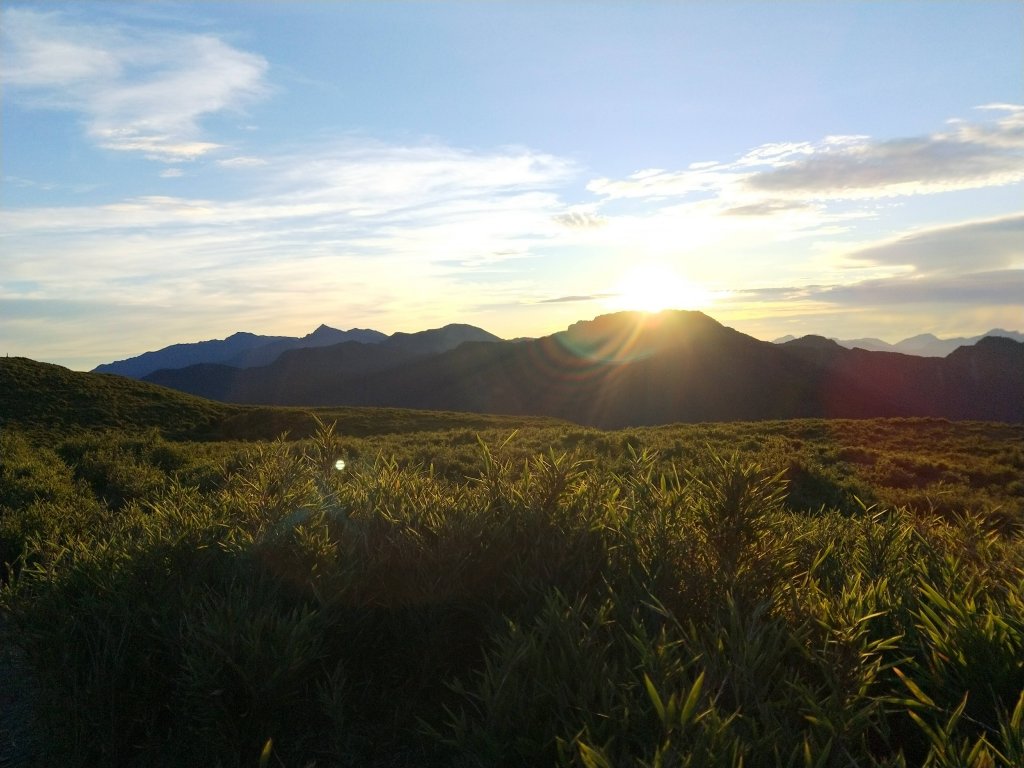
(630, 369)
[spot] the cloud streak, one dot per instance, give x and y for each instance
(971, 269)
(577, 298)
(969, 156)
(139, 90)
(967, 247)
(371, 224)
(775, 177)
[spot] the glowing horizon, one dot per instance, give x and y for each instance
(185, 173)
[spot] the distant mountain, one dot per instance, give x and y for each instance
(180, 355)
(324, 336)
(630, 369)
(922, 345)
(928, 345)
(241, 349)
(312, 375)
(984, 381)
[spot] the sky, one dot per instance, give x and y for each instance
(179, 171)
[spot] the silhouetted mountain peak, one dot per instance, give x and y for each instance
(668, 324)
(813, 341)
(323, 330)
(438, 340)
(991, 346)
(623, 337)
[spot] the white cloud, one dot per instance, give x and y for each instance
(661, 184)
(967, 247)
(580, 219)
(367, 221)
(139, 90)
(242, 162)
(171, 173)
(1002, 287)
(970, 155)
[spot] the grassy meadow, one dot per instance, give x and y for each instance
(483, 591)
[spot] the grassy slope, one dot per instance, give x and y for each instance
(42, 398)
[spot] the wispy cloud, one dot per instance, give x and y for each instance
(242, 162)
(972, 246)
(577, 298)
(372, 226)
(948, 270)
(1002, 287)
(580, 219)
(968, 156)
(139, 90)
(774, 177)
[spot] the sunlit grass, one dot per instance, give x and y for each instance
(703, 595)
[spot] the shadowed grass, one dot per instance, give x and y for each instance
(598, 602)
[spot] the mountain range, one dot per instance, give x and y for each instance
(627, 369)
(922, 345)
(241, 350)
(249, 350)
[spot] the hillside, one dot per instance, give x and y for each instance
(630, 369)
(42, 397)
(49, 399)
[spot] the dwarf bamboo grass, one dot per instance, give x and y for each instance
(557, 596)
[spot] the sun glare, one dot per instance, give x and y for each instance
(654, 287)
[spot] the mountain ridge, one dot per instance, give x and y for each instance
(921, 345)
(248, 350)
(240, 349)
(631, 369)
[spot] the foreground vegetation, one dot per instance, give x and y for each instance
(804, 593)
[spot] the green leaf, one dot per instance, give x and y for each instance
(920, 695)
(690, 705)
(593, 758)
(265, 753)
(652, 692)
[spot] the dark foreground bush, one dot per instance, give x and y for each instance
(548, 612)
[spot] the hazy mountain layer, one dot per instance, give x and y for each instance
(922, 345)
(241, 350)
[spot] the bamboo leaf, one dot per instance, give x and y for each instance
(913, 687)
(652, 692)
(593, 758)
(690, 705)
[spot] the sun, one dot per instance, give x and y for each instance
(654, 287)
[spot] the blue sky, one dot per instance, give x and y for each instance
(180, 171)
